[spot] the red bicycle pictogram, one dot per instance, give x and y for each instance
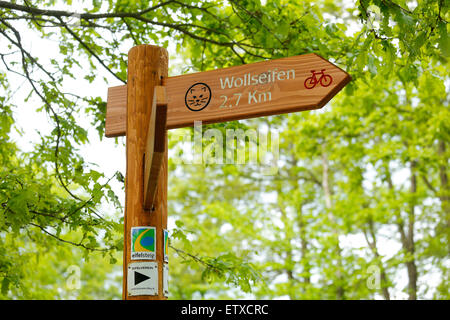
(325, 79)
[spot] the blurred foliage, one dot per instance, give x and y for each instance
(360, 185)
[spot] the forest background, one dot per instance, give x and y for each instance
(357, 208)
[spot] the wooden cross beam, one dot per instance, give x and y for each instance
(152, 103)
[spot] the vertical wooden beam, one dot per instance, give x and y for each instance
(147, 67)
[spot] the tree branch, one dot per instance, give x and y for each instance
(140, 17)
(185, 255)
(79, 244)
(90, 50)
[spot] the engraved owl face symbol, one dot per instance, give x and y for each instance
(197, 96)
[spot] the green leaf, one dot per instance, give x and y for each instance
(444, 39)
(372, 65)
(5, 286)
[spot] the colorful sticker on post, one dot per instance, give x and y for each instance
(143, 243)
(166, 245)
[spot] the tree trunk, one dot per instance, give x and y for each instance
(373, 246)
(288, 261)
(304, 247)
(340, 292)
(444, 195)
(407, 239)
(411, 264)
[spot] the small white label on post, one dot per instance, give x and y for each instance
(143, 279)
(166, 279)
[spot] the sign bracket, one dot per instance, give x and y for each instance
(155, 146)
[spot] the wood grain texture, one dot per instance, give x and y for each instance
(116, 112)
(147, 65)
(155, 146)
(287, 93)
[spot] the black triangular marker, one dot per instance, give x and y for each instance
(139, 277)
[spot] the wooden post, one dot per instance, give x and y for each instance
(147, 67)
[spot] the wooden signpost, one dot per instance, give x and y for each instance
(152, 103)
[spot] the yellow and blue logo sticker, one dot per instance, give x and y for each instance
(166, 245)
(143, 243)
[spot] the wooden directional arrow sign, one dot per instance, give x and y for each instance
(278, 86)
